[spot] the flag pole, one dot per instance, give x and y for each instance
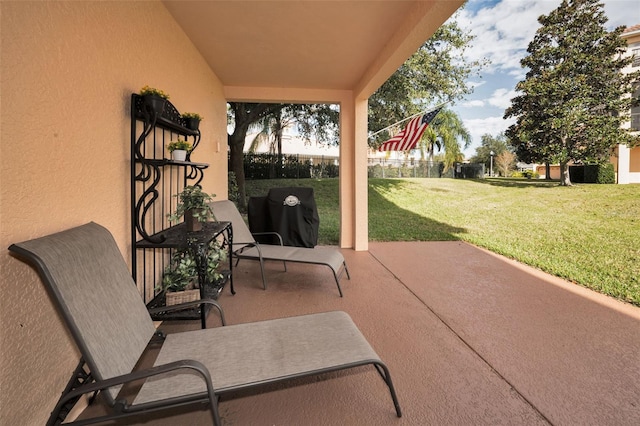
(408, 118)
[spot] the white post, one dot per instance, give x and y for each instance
(624, 158)
(491, 165)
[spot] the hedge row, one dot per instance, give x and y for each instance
(592, 173)
(272, 166)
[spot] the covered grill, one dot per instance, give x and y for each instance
(291, 212)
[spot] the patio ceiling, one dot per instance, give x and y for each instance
(326, 45)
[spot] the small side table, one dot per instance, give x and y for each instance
(178, 237)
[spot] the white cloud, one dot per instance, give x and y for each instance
(473, 103)
(480, 126)
(503, 31)
(501, 98)
(621, 12)
(476, 84)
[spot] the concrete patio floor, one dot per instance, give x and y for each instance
(469, 337)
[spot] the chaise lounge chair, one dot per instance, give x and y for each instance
(90, 283)
(246, 247)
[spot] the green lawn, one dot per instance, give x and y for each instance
(589, 234)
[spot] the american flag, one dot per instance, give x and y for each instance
(410, 135)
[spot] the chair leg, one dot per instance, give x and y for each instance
(80, 376)
(215, 412)
(337, 282)
(264, 277)
(384, 372)
(204, 313)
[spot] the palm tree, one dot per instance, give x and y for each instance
(445, 132)
(270, 130)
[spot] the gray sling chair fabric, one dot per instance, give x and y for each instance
(91, 285)
(246, 247)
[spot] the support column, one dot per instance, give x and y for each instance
(361, 184)
(354, 211)
(624, 158)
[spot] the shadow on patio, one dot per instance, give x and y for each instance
(469, 337)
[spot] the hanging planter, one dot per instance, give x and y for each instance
(154, 104)
(192, 120)
(153, 100)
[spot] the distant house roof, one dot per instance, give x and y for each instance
(631, 29)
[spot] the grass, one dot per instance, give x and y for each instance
(588, 234)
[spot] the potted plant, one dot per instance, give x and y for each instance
(153, 99)
(181, 281)
(193, 204)
(192, 120)
(179, 149)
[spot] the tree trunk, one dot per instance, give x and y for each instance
(236, 164)
(565, 179)
(547, 170)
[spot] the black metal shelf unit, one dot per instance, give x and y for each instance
(155, 182)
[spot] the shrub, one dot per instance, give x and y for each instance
(606, 174)
(592, 173)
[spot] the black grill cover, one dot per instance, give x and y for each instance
(291, 212)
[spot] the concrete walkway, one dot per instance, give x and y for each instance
(470, 338)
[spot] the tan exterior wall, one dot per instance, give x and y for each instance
(68, 71)
(554, 171)
(634, 160)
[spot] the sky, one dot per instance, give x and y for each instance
(503, 30)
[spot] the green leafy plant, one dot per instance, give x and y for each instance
(193, 115)
(146, 90)
(182, 272)
(179, 144)
(192, 198)
(232, 188)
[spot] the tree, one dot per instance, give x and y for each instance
(314, 121)
(436, 73)
(488, 144)
(270, 130)
(244, 115)
(574, 97)
(446, 132)
(505, 162)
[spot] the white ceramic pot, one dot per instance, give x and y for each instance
(179, 155)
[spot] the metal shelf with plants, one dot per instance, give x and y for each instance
(162, 250)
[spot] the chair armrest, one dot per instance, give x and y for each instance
(122, 405)
(269, 233)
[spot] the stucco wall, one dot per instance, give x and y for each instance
(634, 160)
(68, 70)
